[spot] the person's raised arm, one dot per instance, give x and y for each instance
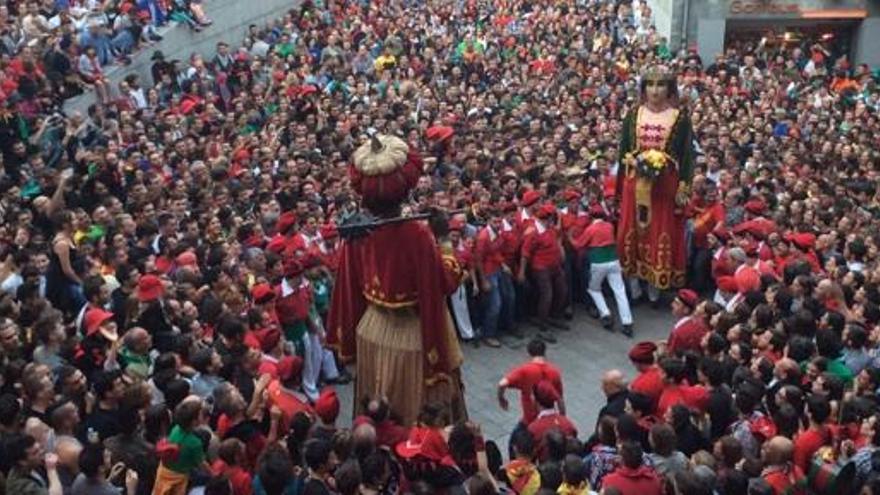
(55, 488)
(502, 400)
(56, 202)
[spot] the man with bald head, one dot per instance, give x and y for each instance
(779, 470)
(615, 389)
(67, 449)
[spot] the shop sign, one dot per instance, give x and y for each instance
(763, 7)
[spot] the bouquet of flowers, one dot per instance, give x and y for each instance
(651, 163)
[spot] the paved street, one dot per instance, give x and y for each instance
(583, 353)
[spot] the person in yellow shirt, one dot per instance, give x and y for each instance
(574, 477)
(385, 61)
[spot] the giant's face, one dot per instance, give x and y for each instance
(656, 92)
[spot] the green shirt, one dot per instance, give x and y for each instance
(21, 483)
(839, 369)
(137, 365)
(602, 254)
(192, 452)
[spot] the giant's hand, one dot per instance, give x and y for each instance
(682, 195)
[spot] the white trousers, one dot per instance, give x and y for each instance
(611, 271)
(635, 288)
(316, 360)
(461, 314)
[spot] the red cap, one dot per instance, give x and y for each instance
(747, 280)
(289, 367)
(187, 258)
(93, 320)
(643, 352)
(439, 133)
(308, 89)
(327, 406)
(804, 240)
(329, 231)
(688, 297)
(763, 427)
(456, 223)
(750, 227)
(276, 245)
(285, 222)
(268, 338)
(126, 8)
(571, 194)
(530, 197)
(727, 283)
(756, 206)
(149, 288)
(546, 210)
(262, 293)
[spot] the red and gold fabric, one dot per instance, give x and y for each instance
(650, 233)
(388, 309)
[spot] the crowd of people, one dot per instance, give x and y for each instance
(168, 257)
(53, 51)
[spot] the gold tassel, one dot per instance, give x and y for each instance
(643, 202)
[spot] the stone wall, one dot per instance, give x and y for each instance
(231, 20)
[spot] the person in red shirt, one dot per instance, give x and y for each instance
(388, 432)
(326, 247)
(632, 476)
(287, 235)
(677, 391)
(779, 472)
(542, 256)
(803, 244)
(548, 418)
(649, 382)
(718, 239)
(524, 378)
(817, 435)
(529, 205)
(511, 234)
(708, 215)
(688, 331)
(573, 219)
(496, 284)
(598, 239)
(230, 457)
(272, 346)
(293, 299)
(286, 394)
(462, 248)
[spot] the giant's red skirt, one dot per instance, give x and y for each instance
(654, 252)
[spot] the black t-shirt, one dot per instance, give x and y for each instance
(315, 487)
(721, 411)
(104, 421)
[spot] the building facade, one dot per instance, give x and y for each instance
(852, 27)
